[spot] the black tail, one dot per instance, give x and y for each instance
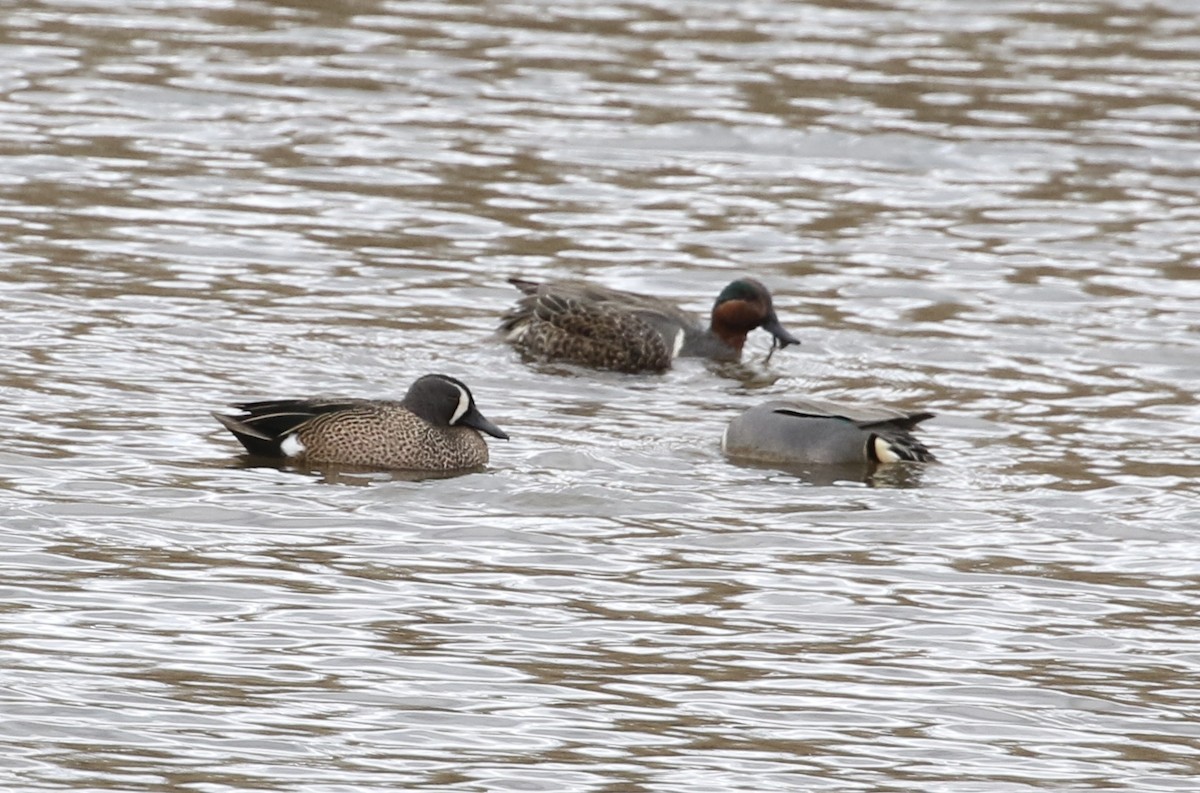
(263, 425)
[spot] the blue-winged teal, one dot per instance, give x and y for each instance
(809, 431)
(434, 428)
(581, 323)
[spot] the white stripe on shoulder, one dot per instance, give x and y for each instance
(678, 345)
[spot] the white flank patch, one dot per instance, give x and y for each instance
(725, 439)
(675, 348)
(464, 402)
(884, 451)
(517, 333)
(291, 446)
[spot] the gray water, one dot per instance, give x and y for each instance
(985, 211)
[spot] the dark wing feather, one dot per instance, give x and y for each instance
(262, 425)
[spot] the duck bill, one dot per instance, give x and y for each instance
(476, 420)
(772, 326)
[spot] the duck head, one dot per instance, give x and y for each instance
(743, 306)
(445, 402)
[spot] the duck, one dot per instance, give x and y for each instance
(589, 325)
(435, 427)
(809, 431)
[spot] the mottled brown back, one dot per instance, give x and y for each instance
(552, 326)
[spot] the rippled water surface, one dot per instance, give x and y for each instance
(989, 212)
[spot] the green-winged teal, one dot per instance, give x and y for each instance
(434, 428)
(811, 431)
(581, 323)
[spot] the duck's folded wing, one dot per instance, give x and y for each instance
(863, 415)
(568, 326)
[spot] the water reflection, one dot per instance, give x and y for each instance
(893, 475)
(343, 474)
(989, 214)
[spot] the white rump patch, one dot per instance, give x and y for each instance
(464, 404)
(884, 451)
(291, 446)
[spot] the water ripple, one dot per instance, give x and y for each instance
(986, 215)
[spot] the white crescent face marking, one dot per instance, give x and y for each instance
(464, 403)
(291, 446)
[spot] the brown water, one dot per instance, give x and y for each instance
(989, 212)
